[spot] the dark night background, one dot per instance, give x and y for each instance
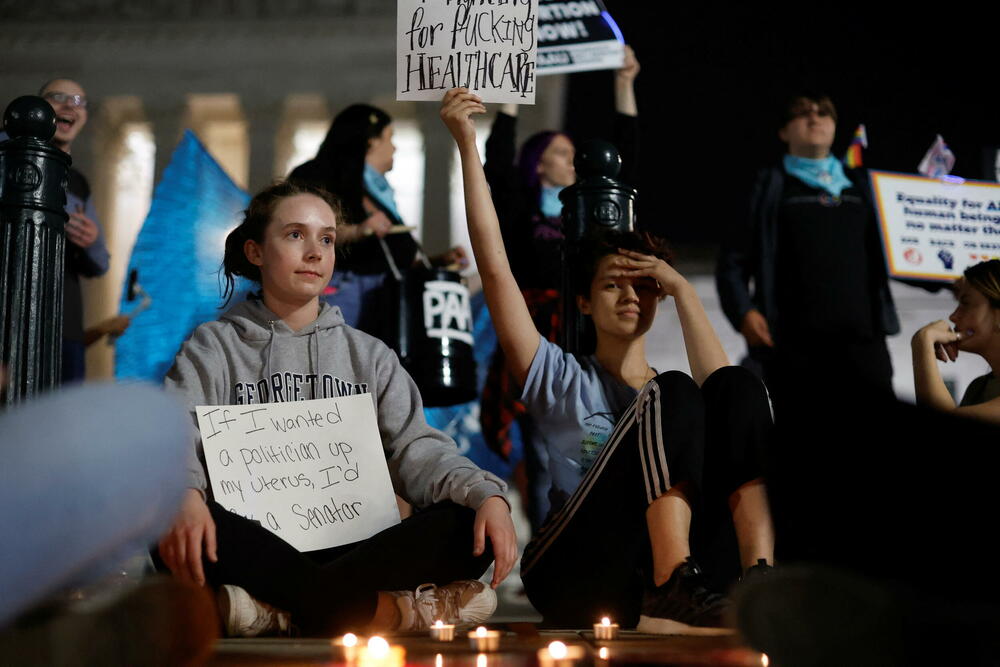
(713, 78)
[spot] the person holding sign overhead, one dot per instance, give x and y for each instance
(526, 197)
(976, 329)
(285, 344)
(372, 240)
(631, 451)
(821, 297)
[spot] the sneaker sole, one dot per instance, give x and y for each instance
(665, 626)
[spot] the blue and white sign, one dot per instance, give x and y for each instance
(933, 229)
(577, 36)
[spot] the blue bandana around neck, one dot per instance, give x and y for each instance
(378, 188)
(826, 173)
(551, 204)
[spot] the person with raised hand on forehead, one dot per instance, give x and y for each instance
(810, 246)
(649, 470)
(975, 329)
(525, 186)
(86, 254)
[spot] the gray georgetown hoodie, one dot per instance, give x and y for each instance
(250, 355)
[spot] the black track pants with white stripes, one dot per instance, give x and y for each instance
(592, 557)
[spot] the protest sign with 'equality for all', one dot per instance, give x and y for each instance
(933, 228)
(312, 472)
(487, 46)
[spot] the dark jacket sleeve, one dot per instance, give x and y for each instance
(737, 261)
(501, 172)
(627, 143)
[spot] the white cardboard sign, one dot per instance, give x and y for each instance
(933, 229)
(312, 472)
(488, 47)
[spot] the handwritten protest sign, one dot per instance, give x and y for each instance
(312, 472)
(577, 36)
(934, 229)
(487, 46)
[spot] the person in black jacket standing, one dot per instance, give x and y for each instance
(821, 299)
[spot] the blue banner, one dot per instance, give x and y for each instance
(178, 257)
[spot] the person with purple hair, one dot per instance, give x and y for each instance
(525, 194)
(526, 191)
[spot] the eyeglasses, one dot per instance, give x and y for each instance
(805, 110)
(65, 98)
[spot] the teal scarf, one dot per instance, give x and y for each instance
(378, 188)
(551, 204)
(825, 174)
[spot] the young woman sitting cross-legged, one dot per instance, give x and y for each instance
(402, 578)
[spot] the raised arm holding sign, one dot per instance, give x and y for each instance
(308, 426)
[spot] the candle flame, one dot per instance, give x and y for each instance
(439, 660)
(605, 621)
(350, 639)
(764, 660)
(603, 653)
(378, 647)
(481, 660)
(438, 624)
(481, 631)
(557, 650)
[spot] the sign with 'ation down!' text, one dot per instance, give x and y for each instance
(312, 472)
(577, 36)
(487, 46)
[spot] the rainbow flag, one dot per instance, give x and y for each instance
(859, 142)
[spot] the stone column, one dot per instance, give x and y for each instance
(167, 119)
(439, 148)
(263, 123)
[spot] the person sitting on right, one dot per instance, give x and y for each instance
(976, 330)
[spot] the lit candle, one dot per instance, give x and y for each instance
(484, 640)
(439, 660)
(442, 632)
(764, 660)
(558, 654)
(379, 653)
(604, 653)
(605, 630)
(349, 644)
(481, 660)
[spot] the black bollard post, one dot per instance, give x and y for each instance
(32, 255)
(594, 203)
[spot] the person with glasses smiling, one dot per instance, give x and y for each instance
(821, 297)
(86, 254)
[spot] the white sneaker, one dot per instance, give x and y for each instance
(245, 616)
(460, 603)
